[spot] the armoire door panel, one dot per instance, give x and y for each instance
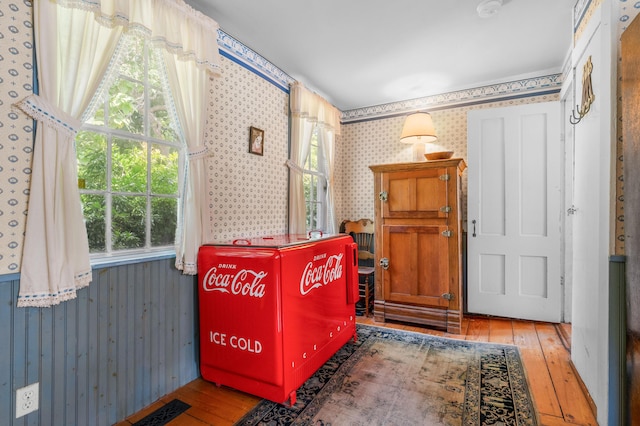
(418, 264)
(418, 195)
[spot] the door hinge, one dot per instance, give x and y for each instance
(446, 233)
(383, 196)
(448, 296)
(445, 177)
(445, 209)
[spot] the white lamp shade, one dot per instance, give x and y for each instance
(418, 127)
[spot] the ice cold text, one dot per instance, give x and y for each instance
(235, 342)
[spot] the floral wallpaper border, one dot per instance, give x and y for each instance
(232, 49)
(529, 87)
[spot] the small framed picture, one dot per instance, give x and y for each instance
(256, 141)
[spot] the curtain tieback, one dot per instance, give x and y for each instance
(198, 152)
(294, 167)
(39, 109)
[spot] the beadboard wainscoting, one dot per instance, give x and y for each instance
(127, 340)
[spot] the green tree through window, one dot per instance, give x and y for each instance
(128, 157)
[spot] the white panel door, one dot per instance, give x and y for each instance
(514, 212)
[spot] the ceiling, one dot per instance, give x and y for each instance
(360, 53)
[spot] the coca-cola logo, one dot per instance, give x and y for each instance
(316, 276)
(245, 282)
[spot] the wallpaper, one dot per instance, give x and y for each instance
(16, 77)
(246, 193)
(378, 142)
(628, 11)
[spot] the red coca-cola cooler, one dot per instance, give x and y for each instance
(275, 309)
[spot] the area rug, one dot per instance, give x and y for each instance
(394, 377)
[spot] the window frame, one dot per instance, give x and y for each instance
(112, 256)
(320, 196)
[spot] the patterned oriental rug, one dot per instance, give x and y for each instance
(394, 377)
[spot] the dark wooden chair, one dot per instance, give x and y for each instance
(362, 232)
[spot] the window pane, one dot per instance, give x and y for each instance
(313, 158)
(126, 106)
(312, 188)
(128, 224)
(129, 166)
(159, 119)
(164, 169)
(94, 213)
(312, 215)
(133, 58)
(98, 117)
(163, 221)
(91, 149)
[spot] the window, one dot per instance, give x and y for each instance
(315, 186)
(128, 156)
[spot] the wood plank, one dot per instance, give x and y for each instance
(540, 383)
(129, 368)
(478, 329)
(242, 399)
(101, 386)
(112, 349)
(143, 413)
(82, 363)
(187, 419)
(216, 406)
(464, 327)
(7, 298)
(71, 325)
(93, 350)
(573, 403)
(547, 420)
(500, 331)
(564, 330)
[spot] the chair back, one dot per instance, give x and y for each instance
(362, 232)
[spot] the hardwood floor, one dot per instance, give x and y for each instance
(555, 387)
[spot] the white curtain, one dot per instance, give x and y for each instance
(307, 111)
(188, 84)
(326, 139)
(55, 260)
(73, 52)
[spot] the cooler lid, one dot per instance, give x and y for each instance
(277, 241)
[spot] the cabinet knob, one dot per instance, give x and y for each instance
(384, 263)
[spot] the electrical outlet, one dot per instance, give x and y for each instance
(27, 399)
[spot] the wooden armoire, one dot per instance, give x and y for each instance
(418, 240)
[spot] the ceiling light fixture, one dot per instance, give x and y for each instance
(488, 8)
